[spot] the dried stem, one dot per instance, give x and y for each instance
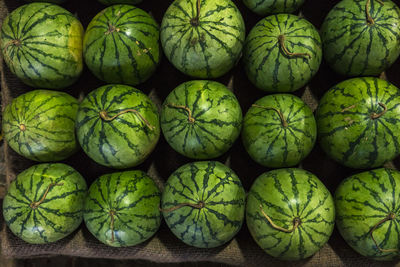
(283, 120)
(370, 20)
(198, 205)
(376, 116)
(281, 39)
(111, 29)
(390, 216)
(296, 223)
(190, 115)
(35, 204)
(105, 117)
(196, 20)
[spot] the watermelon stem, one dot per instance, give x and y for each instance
(390, 216)
(112, 214)
(22, 127)
(370, 20)
(104, 116)
(15, 42)
(35, 204)
(283, 120)
(196, 20)
(376, 116)
(190, 115)
(198, 205)
(296, 223)
(111, 29)
(281, 39)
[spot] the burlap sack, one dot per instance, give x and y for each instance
(164, 246)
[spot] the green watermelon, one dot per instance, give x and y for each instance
(368, 213)
(290, 213)
(117, 126)
(279, 130)
(203, 204)
(282, 53)
(267, 7)
(42, 45)
(361, 37)
(203, 38)
(45, 203)
(201, 119)
(122, 209)
(113, 2)
(40, 125)
(358, 122)
(121, 45)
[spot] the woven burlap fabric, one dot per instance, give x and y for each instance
(164, 246)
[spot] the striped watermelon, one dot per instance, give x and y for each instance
(361, 37)
(203, 38)
(266, 7)
(45, 203)
(112, 2)
(201, 119)
(279, 130)
(203, 204)
(117, 126)
(42, 44)
(121, 45)
(40, 125)
(282, 53)
(290, 213)
(358, 122)
(368, 213)
(122, 209)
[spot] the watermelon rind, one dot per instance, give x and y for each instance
(268, 7)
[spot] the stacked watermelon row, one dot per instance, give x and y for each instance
(203, 204)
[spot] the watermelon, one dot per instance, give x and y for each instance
(203, 204)
(201, 119)
(45, 203)
(279, 130)
(267, 7)
(361, 38)
(42, 45)
(48, 1)
(121, 45)
(358, 122)
(203, 38)
(113, 2)
(122, 209)
(117, 126)
(368, 213)
(282, 53)
(40, 125)
(290, 213)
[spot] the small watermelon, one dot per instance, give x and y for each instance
(40, 125)
(267, 7)
(121, 45)
(117, 126)
(113, 2)
(203, 38)
(203, 204)
(282, 53)
(361, 37)
(201, 119)
(122, 209)
(290, 213)
(279, 130)
(368, 213)
(42, 44)
(45, 203)
(358, 122)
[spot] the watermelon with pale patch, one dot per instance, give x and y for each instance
(45, 203)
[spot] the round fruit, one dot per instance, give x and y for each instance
(267, 7)
(42, 44)
(122, 209)
(290, 213)
(279, 131)
(45, 203)
(361, 37)
(201, 119)
(357, 122)
(368, 213)
(203, 204)
(203, 38)
(113, 2)
(282, 53)
(118, 126)
(121, 45)
(40, 125)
